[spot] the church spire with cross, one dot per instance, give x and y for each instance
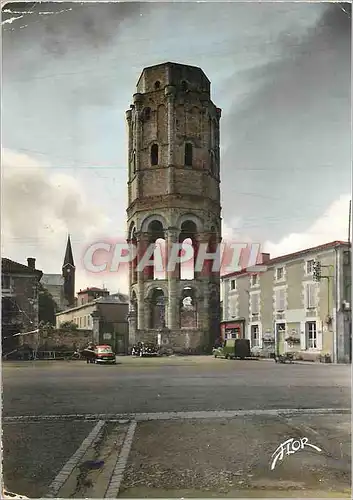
(68, 273)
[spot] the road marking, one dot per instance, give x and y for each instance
(118, 474)
(175, 415)
(65, 472)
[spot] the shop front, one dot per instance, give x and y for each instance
(232, 329)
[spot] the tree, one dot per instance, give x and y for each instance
(68, 325)
(47, 307)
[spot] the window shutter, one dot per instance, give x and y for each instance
(252, 303)
(310, 296)
(302, 337)
(277, 299)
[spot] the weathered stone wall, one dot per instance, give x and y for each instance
(60, 340)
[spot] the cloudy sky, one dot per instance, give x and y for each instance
(279, 71)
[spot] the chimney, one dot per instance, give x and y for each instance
(265, 258)
(31, 262)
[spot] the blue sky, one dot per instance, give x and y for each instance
(279, 71)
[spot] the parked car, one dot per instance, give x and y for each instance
(104, 354)
(233, 348)
(144, 349)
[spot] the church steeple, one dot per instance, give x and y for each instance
(68, 273)
(69, 259)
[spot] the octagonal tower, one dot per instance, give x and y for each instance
(174, 195)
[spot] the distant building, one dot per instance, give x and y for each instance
(54, 283)
(19, 290)
(90, 294)
(106, 315)
(285, 307)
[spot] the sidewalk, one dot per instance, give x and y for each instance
(231, 458)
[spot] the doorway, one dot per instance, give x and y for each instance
(279, 338)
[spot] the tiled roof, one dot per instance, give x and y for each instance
(116, 298)
(294, 255)
(12, 267)
(92, 289)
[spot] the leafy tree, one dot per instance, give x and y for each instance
(46, 305)
(68, 325)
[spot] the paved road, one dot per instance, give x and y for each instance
(55, 422)
(170, 384)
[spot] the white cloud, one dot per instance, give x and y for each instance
(331, 226)
(39, 208)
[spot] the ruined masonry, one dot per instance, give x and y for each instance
(174, 195)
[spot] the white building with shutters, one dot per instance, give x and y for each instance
(285, 309)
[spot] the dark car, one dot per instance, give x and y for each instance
(233, 348)
(105, 354)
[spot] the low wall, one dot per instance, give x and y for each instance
(181, 341)
(59, 339)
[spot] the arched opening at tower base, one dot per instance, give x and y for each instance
(188, 309)
(157, 309)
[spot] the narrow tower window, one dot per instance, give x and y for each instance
(134, 162)
(213, 163)
(154, 154)
(184, 86)
(157, 85)
(147, 114)
(188, 155)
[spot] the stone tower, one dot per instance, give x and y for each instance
(68, 273)
(174, 195)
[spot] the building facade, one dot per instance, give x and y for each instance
(105, 316)
(90, 294)
(174, 196)
(19, 301)
(54, 283)
(286, 309)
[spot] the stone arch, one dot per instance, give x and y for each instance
(150, 218)
(132, 230)
(157, 308)
(188, 230)
(188, 307)
(149, 287)
(191, 217)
